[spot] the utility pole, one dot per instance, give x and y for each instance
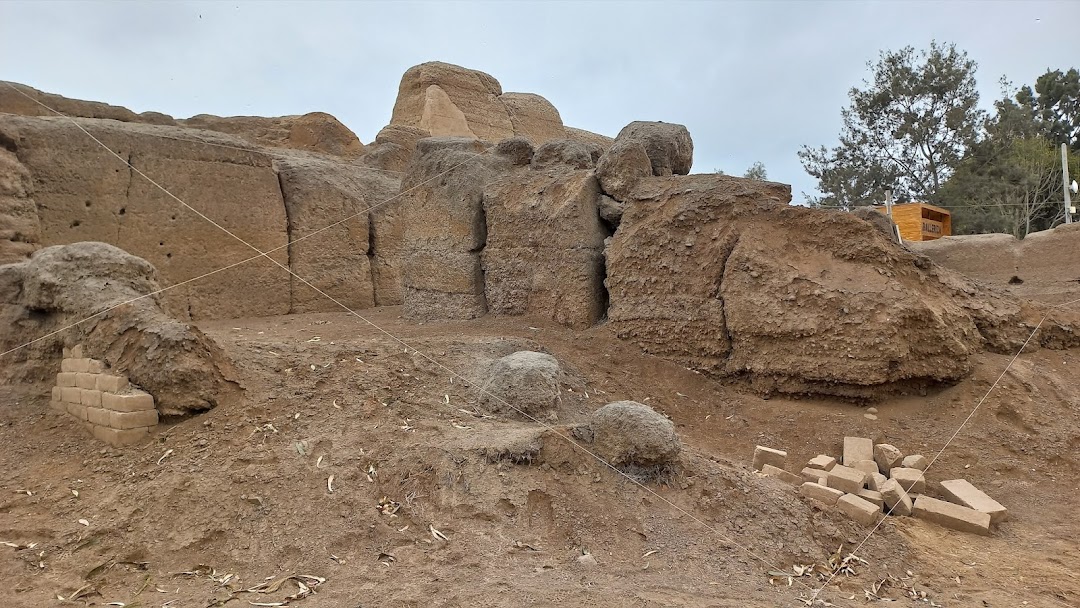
(1065, 182)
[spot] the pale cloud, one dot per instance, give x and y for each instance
(752, 80)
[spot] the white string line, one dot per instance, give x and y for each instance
(261, 253)
(546, 426)
(947, 443)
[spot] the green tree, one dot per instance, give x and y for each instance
(1055, 104)
(1010, 181)
(906, 129)
(757, 171)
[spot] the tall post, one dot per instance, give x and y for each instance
(888, 212)
(1065, 182)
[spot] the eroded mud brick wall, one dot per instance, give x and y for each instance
(84, 193)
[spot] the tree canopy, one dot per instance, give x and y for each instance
(905, 130)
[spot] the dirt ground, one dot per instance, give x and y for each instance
(435, 504)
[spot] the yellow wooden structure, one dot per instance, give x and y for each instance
(920, 221)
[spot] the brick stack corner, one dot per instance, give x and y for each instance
(104, 402)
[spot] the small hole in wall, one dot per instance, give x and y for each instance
(174, 217)
(1016, 280)
(161, 244)
(87, 203)
(123, 210)
(168, 255)
(75, 223)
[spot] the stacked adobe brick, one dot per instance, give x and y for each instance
(104, 402)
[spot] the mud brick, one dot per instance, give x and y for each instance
(764, 456)
(81, 366)
(98, 416)
(67, 353)
(872, 496)
(108, 383)
(120, 437)
(86, 380)
(781, 474)
(897, 501)
(66, 379)
(67, 366)
(847, 479)
(961, 492)
(887, 457)
(77, 410)
(95, 366)
(57, 393)
(875, 480)
(867, 466)
(77, 352)
(915, 461)
(129, 402)
(813, 475)
(133, 420)
(911, 480)
(857, 448)
(859, 509)
(823, 462)
(821, 493)
(952, 516)
(91, 398)
(71, 394)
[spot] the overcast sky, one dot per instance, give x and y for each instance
(752, 80)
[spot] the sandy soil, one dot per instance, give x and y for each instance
(222, 502)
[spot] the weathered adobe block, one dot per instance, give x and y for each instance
(128, 402)
(108, 383)
(98, 416)
(764, 456)
(912, 480)
(961, 492)
(823, 462)
(887, 457)
(71, 394)
(896, 499)
(847, 479)
(821, 493)
(133, 420)
(859, 509)
(813, 475)
(120, 437)
(87, 381)
(77, 410)
(66, 379)
(781, 474)
(857, 449)
(545, 247)
(90, 398)
(952, 516)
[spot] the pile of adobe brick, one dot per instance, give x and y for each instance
(877, 480)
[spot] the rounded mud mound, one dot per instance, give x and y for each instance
(628, 433)
(524, 383)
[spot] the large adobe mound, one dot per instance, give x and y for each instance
(716, 273)
(721, 275)
(41, 297)
(438, 99)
